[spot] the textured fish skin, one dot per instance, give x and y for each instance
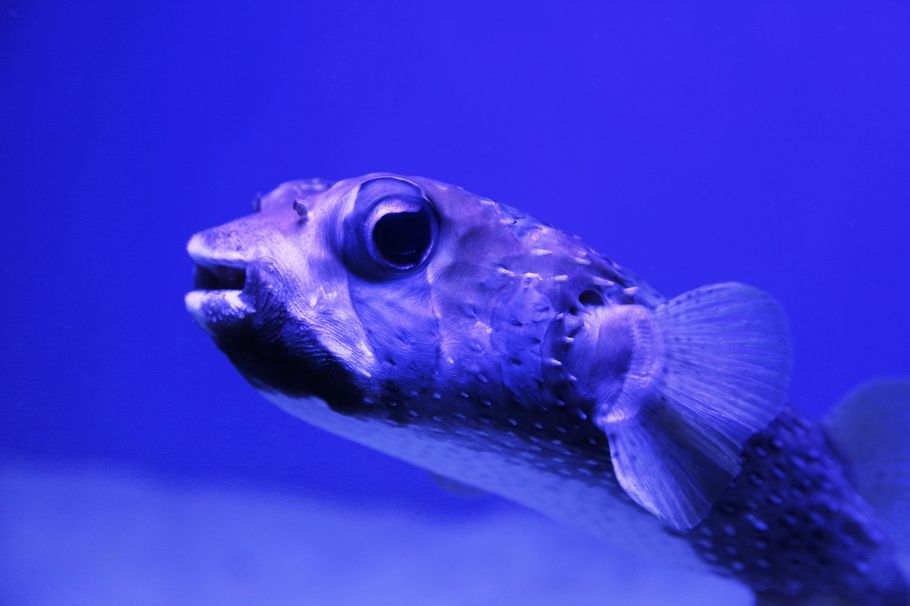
(792, 526)
(458, 367)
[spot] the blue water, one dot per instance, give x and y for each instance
(693, 143)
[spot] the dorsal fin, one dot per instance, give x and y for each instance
(870, 431)
(680, 389)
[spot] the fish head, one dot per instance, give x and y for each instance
(386, 291)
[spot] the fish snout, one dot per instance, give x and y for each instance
(231, 260)
(223, 257)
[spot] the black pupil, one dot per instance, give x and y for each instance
(403, 238)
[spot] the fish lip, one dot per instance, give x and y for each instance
(220, 298)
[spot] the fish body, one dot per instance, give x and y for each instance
(466, 337)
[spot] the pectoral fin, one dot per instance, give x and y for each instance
(705, 371)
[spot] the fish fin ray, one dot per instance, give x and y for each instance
(728, 351)
(664, 465)
(708, 370)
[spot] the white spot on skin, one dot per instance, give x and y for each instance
(483, 327)
(582, 261)
(561, 278)
(539, 252)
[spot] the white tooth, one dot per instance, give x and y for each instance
(232, 298)
(194, 301)
(210, 307)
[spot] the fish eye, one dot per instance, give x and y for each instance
(401, 236)
(394, 225)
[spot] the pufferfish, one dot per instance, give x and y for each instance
(470, 339)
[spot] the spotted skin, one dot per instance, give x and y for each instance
(458, 366)
(792, 526)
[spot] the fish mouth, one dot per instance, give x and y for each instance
(272, 350)
(209, 276)
(219, 298)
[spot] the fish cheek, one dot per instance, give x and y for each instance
(402, 330)
(279, 355)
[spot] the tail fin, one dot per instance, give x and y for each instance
(870, 430)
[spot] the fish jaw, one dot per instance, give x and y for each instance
(220, 298)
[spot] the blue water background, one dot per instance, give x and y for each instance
(692, 142)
